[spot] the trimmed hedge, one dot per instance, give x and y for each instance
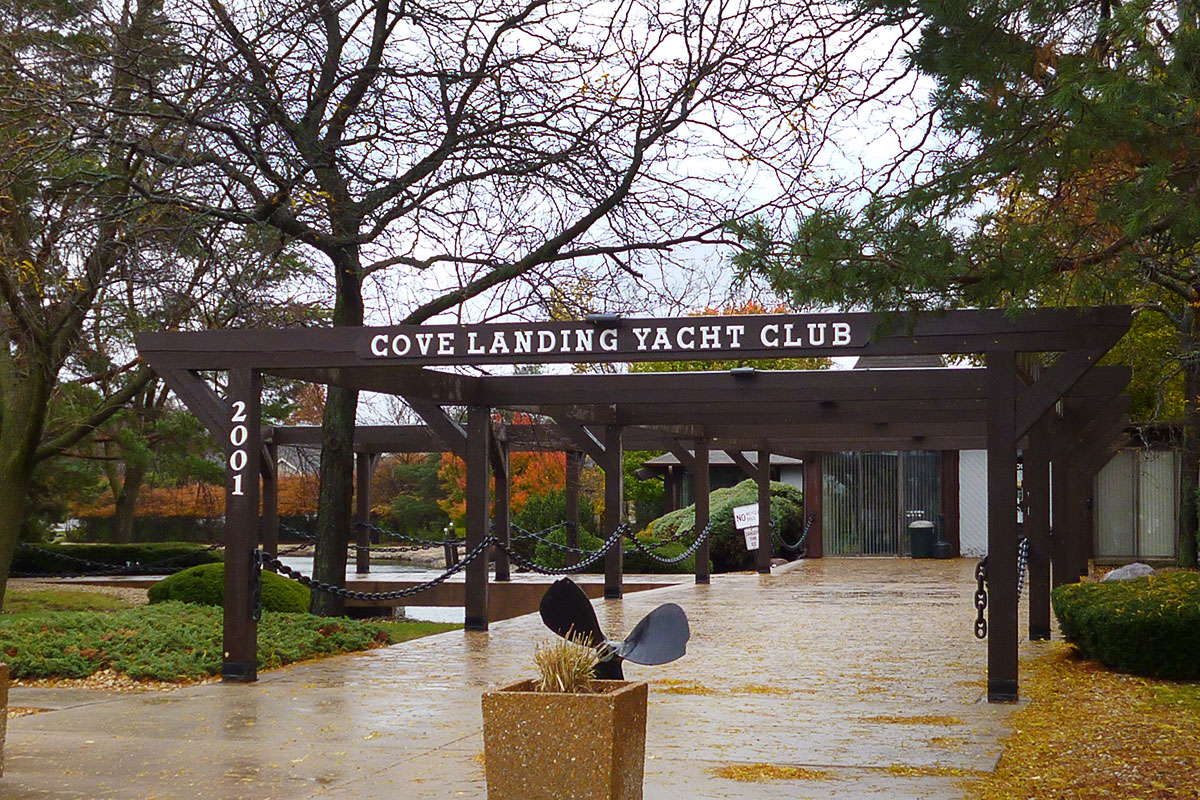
(727, 547)
(1147, 626)
(205, 586)
(42, 557)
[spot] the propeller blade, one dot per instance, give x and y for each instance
(565, 609)
(660, 637)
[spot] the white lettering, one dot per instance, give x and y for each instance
(565, 347)
(424, 340)
(710, 337)
(641, 334)
(584, 340)
(841, 333)
(473, 348)
(661, 340)
(813, 338)
(608, 340)
(735, 335)
(789, 339)
(239, 413)
(238, 436)
(446, 343)
(237, 460)
(401, 337)
(379, 345)
(523, 341)
(545, 341)
(690, 342)
(499, 343)
(769, 341)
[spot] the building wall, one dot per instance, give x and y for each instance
(972, 502)
(792, 475)
(1137, 505)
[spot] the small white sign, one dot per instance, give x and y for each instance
(751, 535)
(745, 516)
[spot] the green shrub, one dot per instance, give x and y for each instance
(205, 586)
(1148, 626)
(45, 558)
(727, 547)
(175, 641)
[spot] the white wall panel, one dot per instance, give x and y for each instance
(972, 502)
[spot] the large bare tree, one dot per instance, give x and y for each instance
(467, 146)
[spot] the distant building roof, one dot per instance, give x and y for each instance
(719, 458)
(900, 362)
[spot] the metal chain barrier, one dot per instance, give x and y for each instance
(311, 538)
(104, 568)
(981, 598)
(593, 555)
(692, 548)
(275, 565)
(799, 545)
(416, 540)
(541, 535)
(1022, 564)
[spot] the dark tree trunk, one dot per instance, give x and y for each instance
(126, 503)
(335, 504)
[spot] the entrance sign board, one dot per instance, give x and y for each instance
(616, 339)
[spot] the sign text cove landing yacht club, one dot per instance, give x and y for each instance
(604, 337)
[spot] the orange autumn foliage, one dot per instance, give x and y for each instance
(531, 474)
(297, 497)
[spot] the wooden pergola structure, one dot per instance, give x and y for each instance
(1059, 409)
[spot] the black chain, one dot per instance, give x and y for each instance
(275, 565)
(593, 555)
(541, 535)
(104, 568)
(424, 544)
(799, 545)
(981, 598)
(1022, 563)
(311, 538)
(692, 548)
(256, 601)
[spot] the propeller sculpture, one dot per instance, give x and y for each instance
(659, 638)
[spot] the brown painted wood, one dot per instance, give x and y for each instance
(1035, 486)
(269, 530)
(950, 500)
(814, 497)
(501, 522)
(1002, 527)
(243, 448)
(479, 431)
(614, 507)
(700, 482)
(763, 556)
(363, 470)
(574, 473)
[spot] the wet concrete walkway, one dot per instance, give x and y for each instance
(863, 672)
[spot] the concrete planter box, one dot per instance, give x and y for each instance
(552, 746)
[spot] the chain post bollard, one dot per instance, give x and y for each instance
(256, 601)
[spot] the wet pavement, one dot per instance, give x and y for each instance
(863, 673)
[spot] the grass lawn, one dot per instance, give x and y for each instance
(1089, 732)
(47, 634)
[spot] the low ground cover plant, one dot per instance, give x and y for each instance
(23, 601)
(1147, 626)
(174, 641)
(205, 585)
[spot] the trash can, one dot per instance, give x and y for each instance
(921, 537)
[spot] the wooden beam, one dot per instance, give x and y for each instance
(763, 556)
(479, 431)
(700, 483)
(1002, 527)
(243, 449)
(614, 505)
(582, 438)
(451, 434)
(743, 463)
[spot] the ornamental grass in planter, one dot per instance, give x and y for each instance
(565, 735)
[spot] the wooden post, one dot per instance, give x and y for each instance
(269, 532)
(1060, 513)
(1036, 486)
(243, 450)
(763, 557)
(501, 526)
(813, 505)
(1002, 526)
(362, 513)
(951, 523)
(700, 487)
(574, 473)
(479, 431)
(614, 506)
